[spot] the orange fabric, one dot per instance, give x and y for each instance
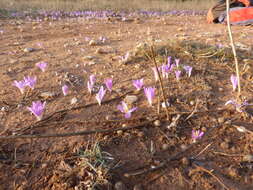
(241, 14)
(209, 17)
(245, 2)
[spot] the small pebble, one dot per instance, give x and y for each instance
(224, 145)
(119, 132)
(130, 99)
(183, 146)
(221, 89)
(185, 161)
(221, 120)
(120, 186)
(192, 102)
(140, 134)
(124, 125)
(138, 187)
(73, 100)
(165, 104)
(100, 51)
(165, 147)
(27, 50)
(157, 123)
(93, 43)
(233, 172)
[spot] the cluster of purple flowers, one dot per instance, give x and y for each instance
(27, 81)
(58, 15)
(170, 67)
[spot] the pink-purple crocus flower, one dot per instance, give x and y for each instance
(124, 109)
(109, 83)
(177, 73)
(100, 95)
(196, 134)
(37, 109)
(177, 62)
(188, 70)
(238, 106)
(30, 81)
(138, 84)
(42, 65)
(150, 94)
(20, 85)
(234, 81)
(165, 71)
(65, 90)
(91, 83)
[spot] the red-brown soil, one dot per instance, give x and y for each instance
(222, 159)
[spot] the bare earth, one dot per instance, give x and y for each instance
(222, 159)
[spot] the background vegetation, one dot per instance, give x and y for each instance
(74, 5)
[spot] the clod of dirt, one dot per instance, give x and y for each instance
(192, 102)
(47, 95)
(221, 120)
(248, 158)
(185, 161)
(73, 101)
(140, 134)
(27, 50)
(100, 51)
(120, 186)
(120, 132)
(94, 43)
(12, 61)
(224, 145)
(165, 146)
(89, 57)
(130, 99)
(157, 123)
(232, 172)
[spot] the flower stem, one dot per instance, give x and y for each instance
(233, 48)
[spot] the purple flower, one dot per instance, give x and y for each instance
(92, 79)
(37, 109)
(196, 134)
(108, 83)
(234, 81)
(65, 90)
(177, 62)
(89, 86)
(42, 65)
(100, 95)
(124, 109)
(20, 85)
(169, 61)
(91, 82)
(177, 73)
(30, 81)
(138, 84)
(238, 106)
(188, 70)
(165, 71)
(150, 94)
(156, 75)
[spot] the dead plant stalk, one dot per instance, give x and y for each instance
(160, 81)
(233, 48)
